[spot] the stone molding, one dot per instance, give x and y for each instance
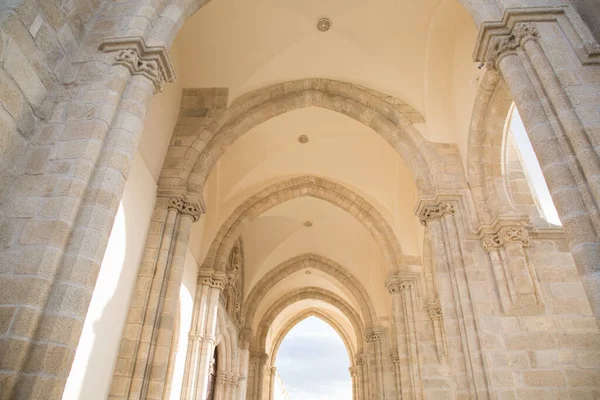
(246, 335)
(314, 262)
(398, 285)
(518, 25)
(435, 211)
(212, 279)
(506, 234)
(194, 210)
(434, 310)
(395, 356)
(375, 336)
(151, 62)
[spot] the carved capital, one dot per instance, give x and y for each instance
(151, 62)
(397, 285)
(506, 234)
(374, 336)
(360, 360)
(185, 207)
(501, 45)
(395, 356)
(435, 211)
(518, 234)
(246, 335)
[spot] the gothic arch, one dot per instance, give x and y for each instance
(308, 293)
(298, 263)
(313, 312)
(293, 188)
(486, 147)
(389, 117)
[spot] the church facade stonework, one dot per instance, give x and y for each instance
(427, 252)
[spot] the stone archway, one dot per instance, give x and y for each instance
(486, 141)
(389, 117)
(298, 263)
(313, 186)
(262, 382)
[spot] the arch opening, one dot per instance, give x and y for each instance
(533, 180)
(312, 361)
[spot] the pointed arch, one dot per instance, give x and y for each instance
(313, 261)
(486, 140)
(391, 118)
(312, 312)
(311, 186)
(309, 293)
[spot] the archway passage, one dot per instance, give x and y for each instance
(312, 363)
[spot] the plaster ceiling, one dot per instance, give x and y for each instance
(417, 51)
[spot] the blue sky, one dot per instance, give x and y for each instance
(313, 363)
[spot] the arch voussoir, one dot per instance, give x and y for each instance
(308, 293)
(391, 118)
(316, 262)
(290, 189)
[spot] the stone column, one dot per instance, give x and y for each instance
(395, 356)
(439, 218)
(352, 371)
(55, 233)
(220, 384)
(363, 378)
(403, 317)
(201, 346)
(515, 278)
(375, 338)
(244, 358)
(142, 363)
(258, 362)
(270, 384)
(563, 140)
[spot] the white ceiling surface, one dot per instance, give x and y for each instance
(418, 51)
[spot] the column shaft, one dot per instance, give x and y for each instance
(570, 191)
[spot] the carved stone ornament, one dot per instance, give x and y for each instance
(506, 234)
(521, 33)
(360, 360)
(186, 208)
(151, 62)
(395, 356)
(246, 335)
(374, 336)
(434, 310)
(397, 285)
(435, 211)
(216, 281)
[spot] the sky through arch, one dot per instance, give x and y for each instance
(312, 362)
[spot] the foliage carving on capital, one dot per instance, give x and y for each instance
(506, 234)
(397, 285)
(151, 62)
(435, 211)
(521, 33)
(185, 207)
(246, 335)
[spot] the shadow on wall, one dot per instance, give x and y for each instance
(92, 369)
